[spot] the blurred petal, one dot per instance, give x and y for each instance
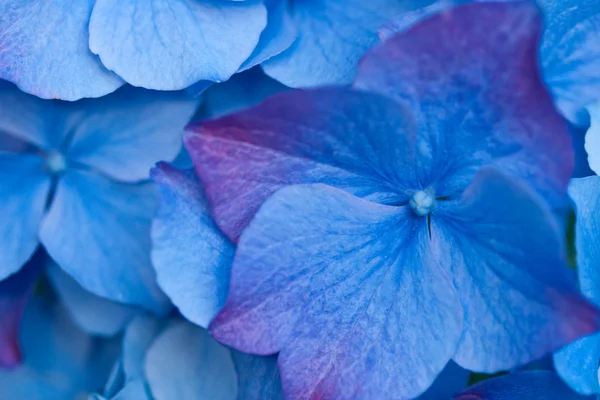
(258, 377)
(14, 295)
(139, 336)
(135, 390)
(592, 138)
(44, 50)
(192, 258)
(334, 282)
(173, 44)
(356, 141)
(487, 106)
(571, 54)
(123, 135)
(279, 34)
(61, 362)
(534, 385)
(332, 36)
(93, 315)
(98, 231)
(24, 190)
(185, 363)
(506, 258)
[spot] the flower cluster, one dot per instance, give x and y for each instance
(299, 199)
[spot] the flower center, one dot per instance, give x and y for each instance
(422, 203)
(56, 162)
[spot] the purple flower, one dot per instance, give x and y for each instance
(387, 228)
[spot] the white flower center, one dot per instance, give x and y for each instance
(422, 203)
(56, 162)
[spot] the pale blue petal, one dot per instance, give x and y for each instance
(24, 190)
(134, 390)
(279, 34)
(592, 138)
(577, 364)
(126, 133)
(98, 231)
(44, 50)
(332, 36)
(172, 44)
(185, 363)
(94, 315)
(192, 258)
(333, 282)
(139, 335)
(258, 377)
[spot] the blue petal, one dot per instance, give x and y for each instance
(185, 363)
(23, 194)
(98, 231)
(577, 363)
(125, 134)
(452, 380)
(258, 377)
(94, 315)
(571, 54)
(332, 36)
(592, 138)
(337, 284)
(581, 142)
(505, 255)
(488, 106)
(139, 336)
(61, 362)
(29, 118)
(173, 44)
(135, 390)
(360, 142)
(535, 385)
(14, 294)
(192, 258)
(279, 34)
(44, 50)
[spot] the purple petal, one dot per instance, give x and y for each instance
(337, 284)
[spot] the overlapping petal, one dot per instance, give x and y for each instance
(44, 50)
(192, 258)
(98, 231)
(477, 95)
(592, 138)
(333, 282)
(258, 377)
(170, 45)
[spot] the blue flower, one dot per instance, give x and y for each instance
(386, 229)
(60, 361)
(69, 49)
(173, 359)
(81, 188)
(538, 385)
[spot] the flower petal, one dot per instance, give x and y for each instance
(333, 35)
(507, 262)
(44, 50)
(173, 44)
(98, 231)
(139, 336)
(258, 377)
(92, 314)
(334, 282)
(488, 106)
(185, 363)
(532, 385)
(23, 195)
(14, 295)
(577, 364)
(449, 382)
(192, 258)
(592, 138)
(355, 141)
(125, 134)
(571, 55)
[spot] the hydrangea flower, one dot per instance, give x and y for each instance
(60, 361)
(81, 188)
(173, 359)
(69, 49)
(538, 385)
(406, 219)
